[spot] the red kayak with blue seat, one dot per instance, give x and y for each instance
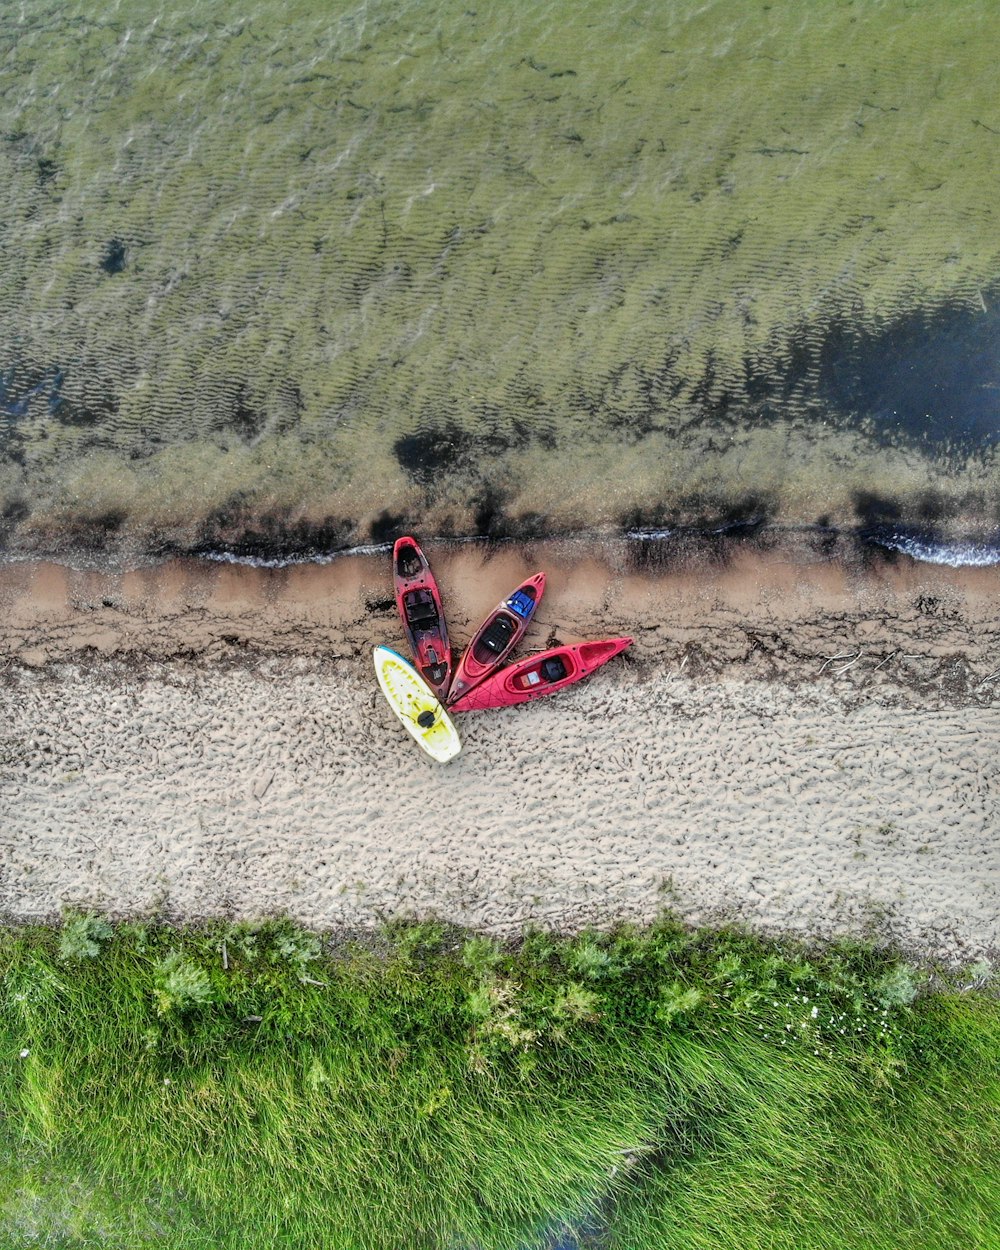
(497, 637)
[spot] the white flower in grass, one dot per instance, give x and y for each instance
(25, 1053)
(814, 1013)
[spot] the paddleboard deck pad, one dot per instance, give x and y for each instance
(416, 705)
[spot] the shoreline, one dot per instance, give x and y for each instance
(795, 610)
(796, 744)
(884, 535)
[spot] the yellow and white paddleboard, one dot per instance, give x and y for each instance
(416, 705)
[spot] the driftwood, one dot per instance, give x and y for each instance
(853, 656)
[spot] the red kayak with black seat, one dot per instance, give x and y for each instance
(538, 675)
(420, 610)
(497, 637)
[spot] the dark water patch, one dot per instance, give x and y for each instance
(388, 526)
(88, 538)
(705, 513)
(47, 170)
(114, 258)
(927, 510)
(271, 539)
(493, 522)
(436, 450)
(15, 511)
(245, 419)
(22, 386)
(663, 549)
(932, 374)
(428, 452)
(86, 416)
(91, 402)
(872, 510)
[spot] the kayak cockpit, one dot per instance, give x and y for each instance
(545, 672)
(408, 560)
(494, 639)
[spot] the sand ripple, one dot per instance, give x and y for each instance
(287, 786)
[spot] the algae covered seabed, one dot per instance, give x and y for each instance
(320, 272)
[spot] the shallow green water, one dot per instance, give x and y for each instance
(575, 264)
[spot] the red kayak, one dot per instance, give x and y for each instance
(537, 675)
(497, 637)
(420, 610)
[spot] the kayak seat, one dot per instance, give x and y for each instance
(422, 614)
(522, 603)
(553, 669)
(496, 636)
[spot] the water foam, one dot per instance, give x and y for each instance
(930, 549)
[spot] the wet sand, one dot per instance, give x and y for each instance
(801, 743)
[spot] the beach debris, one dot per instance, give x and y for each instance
(852, 656)
(262, 785)
(422, 694)
(991, 677)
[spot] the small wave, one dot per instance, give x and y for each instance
(956, 554)
(302, 557)
(644, 535)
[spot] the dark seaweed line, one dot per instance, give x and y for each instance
(649, 546)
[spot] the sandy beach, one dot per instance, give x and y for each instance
(801, 742)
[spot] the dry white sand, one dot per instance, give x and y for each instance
(197, 740)
(285, 785)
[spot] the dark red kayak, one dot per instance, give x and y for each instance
(420, 610)
(497, 637)
(538, 675)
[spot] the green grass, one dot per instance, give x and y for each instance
(432, 1089)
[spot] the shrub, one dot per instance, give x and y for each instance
(295, 947)
(481, 955)
(575, 1003)
(897, 987)
(677, 1001)
(181, 985)
(980, 974)
(83, 936)
(588, 959)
